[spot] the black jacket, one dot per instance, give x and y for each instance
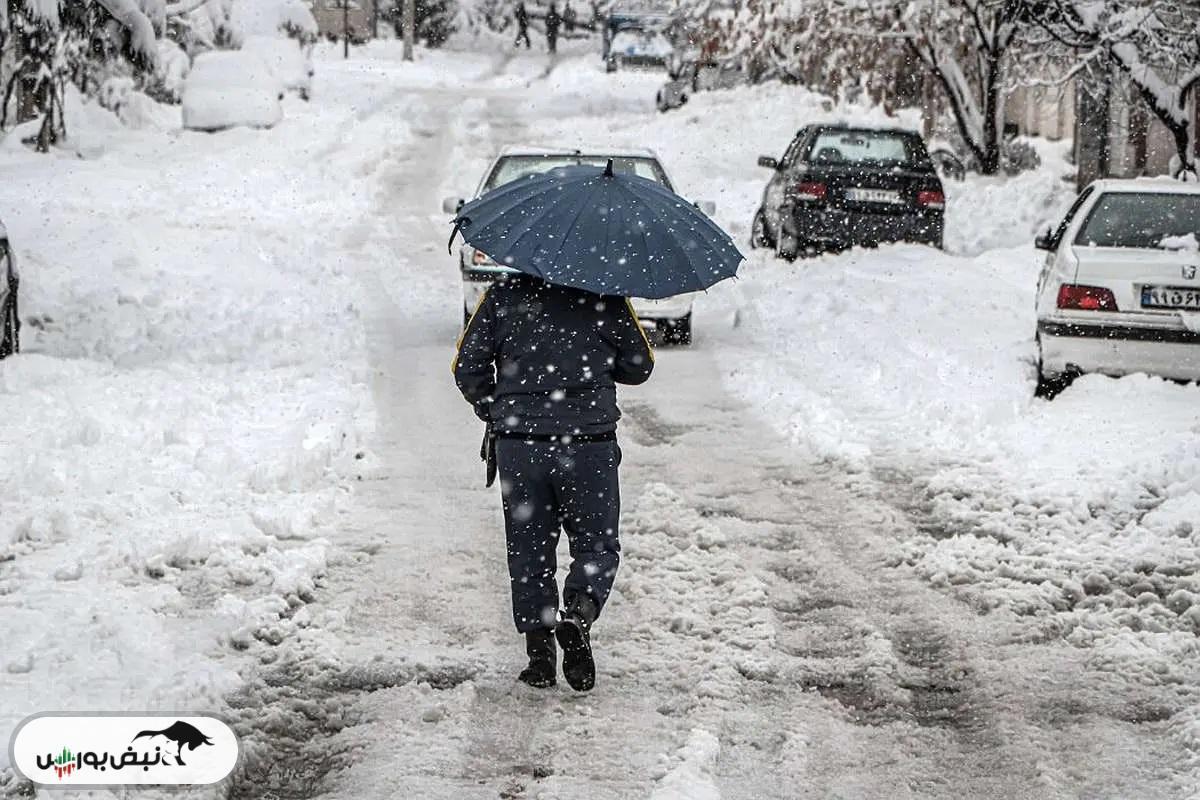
(544, 359)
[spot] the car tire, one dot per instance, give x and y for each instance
(10, 326)
(787, 247)
(1051, 385)
(677, 331)
(760, 235)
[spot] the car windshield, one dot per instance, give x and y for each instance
(509, 168)
(867, 147)
(1140, 219)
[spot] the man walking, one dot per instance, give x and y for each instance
(553, 20)
(522, 17)
(540, 363)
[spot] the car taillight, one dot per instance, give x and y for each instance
(809, 190)
(480, 258)
(931, 199)
(1086, 298)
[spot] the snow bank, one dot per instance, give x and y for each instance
(183, 429)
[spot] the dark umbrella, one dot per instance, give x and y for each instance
(612, 234)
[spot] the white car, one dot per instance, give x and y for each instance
(1119, 292)
(230, 88)
(671, 317)
(287, 58)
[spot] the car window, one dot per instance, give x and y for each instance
(792, 154)
(1140, 219)
(510, 168)
(889, 148)
(1071, 212)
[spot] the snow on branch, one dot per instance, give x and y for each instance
(130, 14)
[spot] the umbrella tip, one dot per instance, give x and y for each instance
(608, 170)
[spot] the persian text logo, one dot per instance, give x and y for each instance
(111, 749)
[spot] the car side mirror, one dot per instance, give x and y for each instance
(1045, 240)
(707, 207)
(451, 205)
(768, 162)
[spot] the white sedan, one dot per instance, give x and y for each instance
(670, 317)
(228, 89)
(1119, 292)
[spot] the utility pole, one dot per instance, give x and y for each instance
(410, 28)
(345, 28)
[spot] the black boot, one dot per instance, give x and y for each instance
(572, 633)
(539, 646)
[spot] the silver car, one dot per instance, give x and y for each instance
(671, 318)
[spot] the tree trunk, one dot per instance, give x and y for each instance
(1091, 129)
(992, 86)
(410, 28)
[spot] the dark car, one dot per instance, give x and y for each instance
(838, 186)
(10, 326)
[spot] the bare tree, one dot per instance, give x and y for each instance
(1155, 43)
(965, 45)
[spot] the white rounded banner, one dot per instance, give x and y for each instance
(110, 749)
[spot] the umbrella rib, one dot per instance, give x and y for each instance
(713, 236)
(666, 226)
(578, 213)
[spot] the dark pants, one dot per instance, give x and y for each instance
(549, 487)
(523, 33)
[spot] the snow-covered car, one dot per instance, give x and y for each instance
(842, 185)
(1119, 292)
(636, 47)
(690, 77)
(231, 88)
(10, 324)
(288, 59)
(672, 317)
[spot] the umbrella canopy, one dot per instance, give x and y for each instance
(612, 234)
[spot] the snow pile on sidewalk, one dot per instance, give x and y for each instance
(919, 365)
(185, 422)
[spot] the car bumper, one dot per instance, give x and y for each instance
(842, 228)
(1119, 349)
(476, 282)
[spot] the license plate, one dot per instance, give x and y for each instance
(873, 196)
(1170, 297)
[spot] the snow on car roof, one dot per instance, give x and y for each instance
(614, 152)
(859, 125)
(1158, 184)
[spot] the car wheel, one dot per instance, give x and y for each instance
(760, 235)
(1051, 385)
(9, 326)
(678, 331)
(787, 247)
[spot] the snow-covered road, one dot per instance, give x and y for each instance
(775, 631)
